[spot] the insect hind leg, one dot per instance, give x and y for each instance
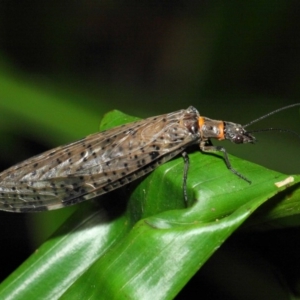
(185, 174)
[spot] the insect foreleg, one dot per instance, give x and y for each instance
(211, 148)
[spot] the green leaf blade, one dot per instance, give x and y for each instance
(168, 244)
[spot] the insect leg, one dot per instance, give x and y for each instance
(185, 173)
(211, 148)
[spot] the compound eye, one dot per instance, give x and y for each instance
(238, 139)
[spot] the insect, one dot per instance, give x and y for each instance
(107, 160)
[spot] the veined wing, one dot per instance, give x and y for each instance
(96, 164)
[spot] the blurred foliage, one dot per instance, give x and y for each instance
(64, 64)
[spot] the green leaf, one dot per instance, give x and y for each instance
(149, 245)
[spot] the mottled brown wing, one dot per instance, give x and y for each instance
(94, 165)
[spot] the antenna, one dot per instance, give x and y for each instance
(275, 129)
(272, 113)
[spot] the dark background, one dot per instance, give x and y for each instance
(63, 64)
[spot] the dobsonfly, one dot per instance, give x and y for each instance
(107, 160)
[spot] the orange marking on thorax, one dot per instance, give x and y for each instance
(221, 136)
(217, 124)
